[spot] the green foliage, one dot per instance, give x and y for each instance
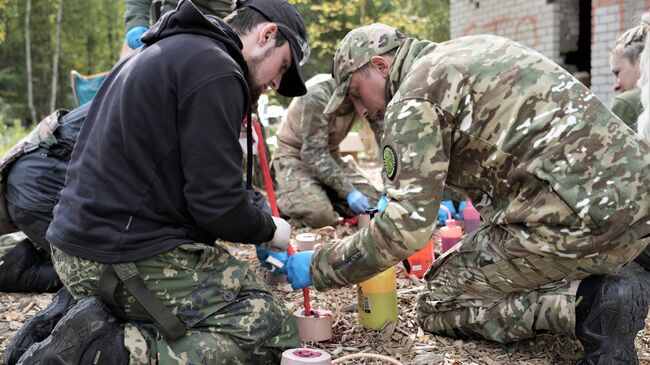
(91, 38)
(10, 133)
(3, 5)
(92, 35)
(329, 21)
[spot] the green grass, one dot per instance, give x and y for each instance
(10, 133)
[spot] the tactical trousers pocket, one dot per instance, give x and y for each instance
(457, 279)
(214, 292)
(527, 273)
(195, 280)
(250, 320)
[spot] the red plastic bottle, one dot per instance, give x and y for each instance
(450, 234)
(471, 217)
(421, 260)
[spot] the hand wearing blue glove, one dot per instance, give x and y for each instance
(133, 36)
(442, 213)
(297, 269)
(382, 203)
(263, 254)
(461, 206)
(357, 201)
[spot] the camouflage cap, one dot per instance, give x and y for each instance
(356, 50)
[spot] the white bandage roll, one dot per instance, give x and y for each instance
(303, 355)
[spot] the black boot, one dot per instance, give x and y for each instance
(23, 269)
(644, 258)
(635, 271)
(612, 310)
(39, 326)
(87, 334)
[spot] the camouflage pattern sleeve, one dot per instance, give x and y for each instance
(416, 157)
(627, 107)
(220, 8)
(315, 152)
(137, 13)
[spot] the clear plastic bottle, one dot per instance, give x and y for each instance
(377, 300)
(450, 234)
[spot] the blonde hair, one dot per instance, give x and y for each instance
(643, 123)
(631, 43)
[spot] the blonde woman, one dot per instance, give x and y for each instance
(625, 65)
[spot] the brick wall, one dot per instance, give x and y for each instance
(552, 27)
(609, 18)
(534, 23)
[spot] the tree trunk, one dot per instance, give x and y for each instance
(55, 58)
(28, 60)
(110, 20)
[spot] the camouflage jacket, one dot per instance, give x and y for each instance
(313, 137)
(41, 135)
(627, 106)
(527, 142)
(138, 12)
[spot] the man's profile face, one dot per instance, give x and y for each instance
(268, 66)
(367, 93)
(626, 73)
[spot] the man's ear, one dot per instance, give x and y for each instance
(267, 33)
(381, 63)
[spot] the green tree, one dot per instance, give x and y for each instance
(3, 5)
(91, 38)
(329, 21)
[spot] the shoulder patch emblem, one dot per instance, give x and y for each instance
(390, 162)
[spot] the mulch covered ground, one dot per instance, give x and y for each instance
(402, 341)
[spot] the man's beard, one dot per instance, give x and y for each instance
(256, 88)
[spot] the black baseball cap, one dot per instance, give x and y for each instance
(292, 27)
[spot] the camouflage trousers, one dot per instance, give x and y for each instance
(9, 241)
(308, 201)
(497, 285)
(230, 314)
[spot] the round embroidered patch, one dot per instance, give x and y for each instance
(390, 162)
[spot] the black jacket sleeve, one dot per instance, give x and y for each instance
(210, 117)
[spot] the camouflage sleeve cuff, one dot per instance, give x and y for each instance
(136, 23)
(345, 189)
(347, 262)
(324, 273)
(137, 13)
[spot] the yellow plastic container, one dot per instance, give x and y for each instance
(377, 300)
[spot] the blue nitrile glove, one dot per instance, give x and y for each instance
(263, 253)
(442, 214)
(133, 36)
(357, 201)
(382, 203)
(297, 269)
(461, 206)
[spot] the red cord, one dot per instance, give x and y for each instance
(268, 183)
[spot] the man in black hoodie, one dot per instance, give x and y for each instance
(155, 179)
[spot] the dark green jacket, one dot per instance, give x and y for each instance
(627, 107)
(138, 12)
